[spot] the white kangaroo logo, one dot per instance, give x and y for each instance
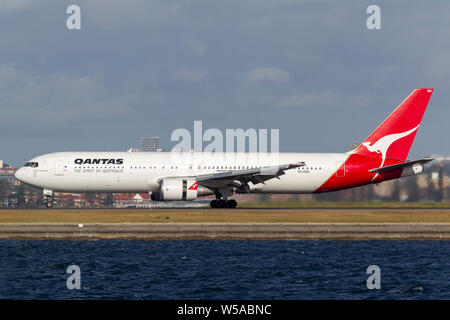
(383, 144)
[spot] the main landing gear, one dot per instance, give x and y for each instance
(221, 200)
(223, 203)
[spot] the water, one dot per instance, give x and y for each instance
(116, 269)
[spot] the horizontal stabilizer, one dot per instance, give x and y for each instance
(401, 165)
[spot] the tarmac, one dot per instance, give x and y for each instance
(225, 224)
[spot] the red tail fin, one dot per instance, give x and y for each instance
(394, 137)
(388, 145)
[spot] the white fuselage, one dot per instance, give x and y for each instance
(142, 171)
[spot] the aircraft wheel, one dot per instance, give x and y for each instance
(231, 203)
(214, 203)
(222, 203)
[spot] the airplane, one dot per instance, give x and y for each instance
(183, 176)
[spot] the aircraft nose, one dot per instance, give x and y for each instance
(20, 174)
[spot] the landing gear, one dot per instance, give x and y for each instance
(231, 203)
(47, 198)
(223, 203)
(221, 200)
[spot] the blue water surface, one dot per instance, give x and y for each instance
(123, 269)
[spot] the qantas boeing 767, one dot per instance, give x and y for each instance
(183, 176)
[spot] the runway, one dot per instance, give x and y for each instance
(227, 231)
(225, 224)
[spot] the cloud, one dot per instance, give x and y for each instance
(307, 100)
(56, 99)
(267, 74)
(8, 6)
(323, 99)
(112, 14)
(383, 74)
(438, 67)
(189, 75)
(196, 46)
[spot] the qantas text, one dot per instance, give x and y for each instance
(98, 161)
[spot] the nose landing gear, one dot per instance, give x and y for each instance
(48, 203)
(47, 198)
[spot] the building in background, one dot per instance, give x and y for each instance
(149, 144)
(130, 200)
(7, 174)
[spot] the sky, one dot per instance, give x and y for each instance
(310, 68)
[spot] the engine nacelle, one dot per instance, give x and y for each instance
(177, 189)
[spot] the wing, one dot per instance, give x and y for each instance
(241, 178)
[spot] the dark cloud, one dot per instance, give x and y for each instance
(142, 68)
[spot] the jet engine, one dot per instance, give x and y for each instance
(178, 189)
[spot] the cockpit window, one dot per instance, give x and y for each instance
(32, 164)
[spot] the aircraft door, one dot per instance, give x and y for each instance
(59, 167)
